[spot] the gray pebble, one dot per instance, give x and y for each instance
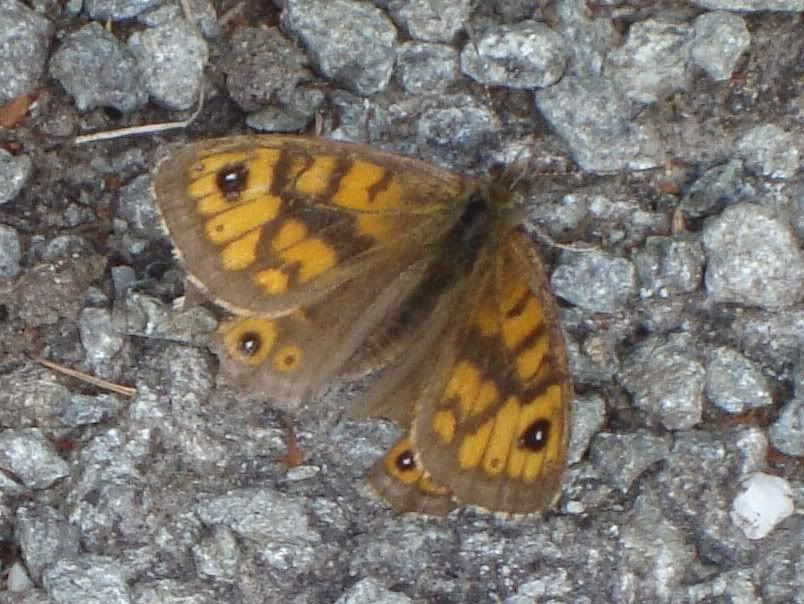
(457, 122)
(217, 555)
(97, 70)
(751, 445)
(45, 536)
(76, 215)
(511, 11)
(588, 39)
(161, 15)
(431, 20)
(15, 170)
(181, 591)
(87, 579)
(63, 246)
(719, 186)
(594, 280)
(24, 39)
(752, 259)
(669, 266)
(653, 61)
(663, 315)
(798, 377)
(99, 335)
(593, 118)
(787, 432)
(623, 457)
(304, 100)
(72, 8)
(276, 523)
(31, 457)
(554, 585)
(656, 544)
(201, 12)
(117, 10)
(263, 68)
(719, 39)
(526, 55)
(18, 581)
(776, 337)
(426, 68)
(81, 409)
(10, 252)
(734, 383)
(666, 380)
(752, 6)
(588, 417)
(171, 57)
(371, 591)
(351, 42)
(770, 151)
(277, 119)
(123, 279)
(135, 206)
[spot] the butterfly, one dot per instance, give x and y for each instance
(338, 260)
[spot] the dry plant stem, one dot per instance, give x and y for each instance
(89, 379)
(146, 129)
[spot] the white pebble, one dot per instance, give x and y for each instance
(765, 501)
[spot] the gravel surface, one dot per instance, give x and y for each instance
(661, 142)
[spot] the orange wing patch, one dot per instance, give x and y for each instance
(400, 479)
(314, 179)
(369, 187)
(252, 340)
(218, 180)
(234, 191)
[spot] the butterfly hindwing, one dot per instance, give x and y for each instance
(293, 357)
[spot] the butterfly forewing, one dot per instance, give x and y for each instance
(269, 224)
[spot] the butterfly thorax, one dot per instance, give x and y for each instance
(485, 216)
(466, 249)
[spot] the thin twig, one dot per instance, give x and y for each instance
(89, 379)
(146, 129)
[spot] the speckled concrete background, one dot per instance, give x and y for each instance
(665, 138)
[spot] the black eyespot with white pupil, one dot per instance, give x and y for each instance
(232, 180)
(405, 462)
(535, 437)
(249, 344)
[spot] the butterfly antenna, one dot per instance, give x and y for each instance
(514, 172)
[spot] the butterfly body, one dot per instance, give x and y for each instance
(337, 260)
